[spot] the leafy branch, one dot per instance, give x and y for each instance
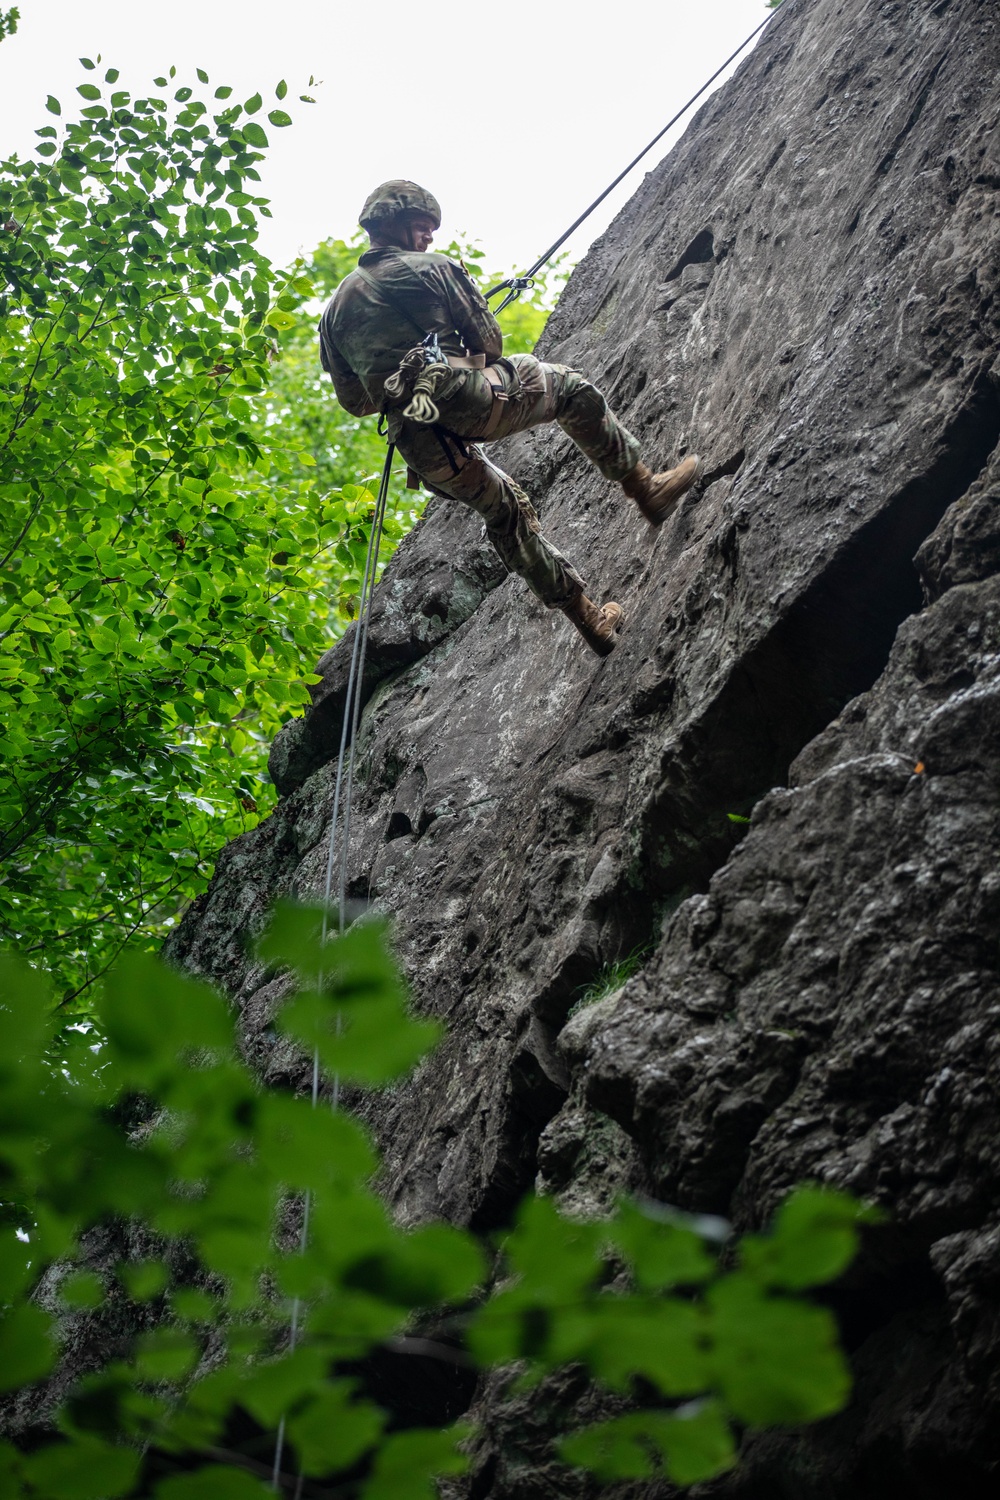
(687, 1334)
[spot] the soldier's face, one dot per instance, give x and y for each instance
(421, 230)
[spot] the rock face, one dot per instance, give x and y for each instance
(805, 292)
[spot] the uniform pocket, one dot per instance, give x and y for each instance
(465, 402)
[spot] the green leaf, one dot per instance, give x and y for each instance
(331, 1430)
(663, 1254)
(82, 1470)
(555, 1257)
(353, 1323)
(362, 1038)
(216, 1482)
(775, 1360)
(697, 1443)
(279, 118)
(165, 1354)
(89, 90)
(814, 1238)
(253, 104)
(354, 1013)
(280, 320)
(431, 1266)
(27, 1351)
(278, 1386)
(87, 63)
(111, 76)
(53, 106)
(691, 1445)
(145, 1279)
(254, 135)
(153, 1015)
(407, 1463)
(202, 75)
(302, 1147)
(622, 1337)
(621, 1448)
(82, 1289)
(25, 1013)
(194, 1306)
(294, 938)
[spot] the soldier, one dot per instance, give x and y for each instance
(374, 344)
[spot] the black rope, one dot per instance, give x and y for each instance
(517, 284)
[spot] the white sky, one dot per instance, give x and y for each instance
(515, 116)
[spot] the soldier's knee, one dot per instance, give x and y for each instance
(583, 405)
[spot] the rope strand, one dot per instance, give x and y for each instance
(517, 284)
(352, 716)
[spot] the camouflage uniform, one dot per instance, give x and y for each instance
(363, 337)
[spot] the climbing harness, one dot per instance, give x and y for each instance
(420, 376)
(515, 285)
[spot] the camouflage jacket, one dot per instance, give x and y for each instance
(362, 337)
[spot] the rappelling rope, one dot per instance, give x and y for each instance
(352, 704)
(343, 784)
(515, 285)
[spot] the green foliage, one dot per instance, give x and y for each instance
(151, 1117)
(8, 21)
(154, 597)
(186, 509)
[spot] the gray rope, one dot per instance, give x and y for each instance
(352, 704)
(517, 284)
(352, 717)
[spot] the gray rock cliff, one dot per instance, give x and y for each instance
(805, 292)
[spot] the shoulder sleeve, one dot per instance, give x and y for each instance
(471, 313)
(351, 393)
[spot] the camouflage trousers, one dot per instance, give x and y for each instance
(536, 393)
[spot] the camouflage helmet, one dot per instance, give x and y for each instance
(390, 199)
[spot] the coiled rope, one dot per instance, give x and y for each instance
(344, 783)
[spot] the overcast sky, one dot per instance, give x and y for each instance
(515, 116)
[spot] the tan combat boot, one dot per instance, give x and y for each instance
(597, 623)
(658, 495)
